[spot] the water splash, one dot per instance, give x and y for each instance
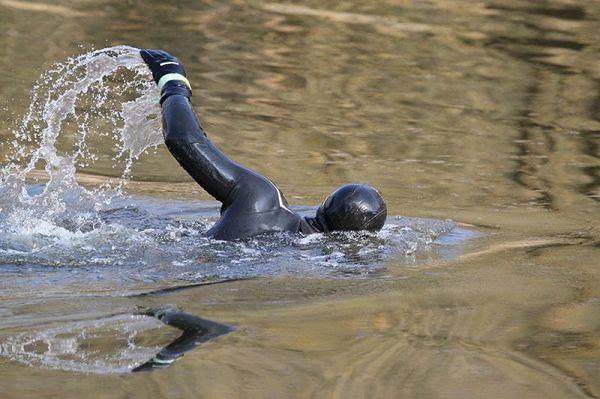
(76, 239)
(146, 244)
(105, 95)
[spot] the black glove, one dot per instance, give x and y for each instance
(168, 73)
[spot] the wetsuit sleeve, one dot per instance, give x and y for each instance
(185, 139)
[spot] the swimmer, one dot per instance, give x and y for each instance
(251, 203)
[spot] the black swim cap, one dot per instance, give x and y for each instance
(353, 207)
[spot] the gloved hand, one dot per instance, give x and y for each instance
(161, 63)
(168, 73)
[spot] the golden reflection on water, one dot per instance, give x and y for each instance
(484, 112)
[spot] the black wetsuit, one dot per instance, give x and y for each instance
(252, 204)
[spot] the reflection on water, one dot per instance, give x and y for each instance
(114, 344)
(483, 112)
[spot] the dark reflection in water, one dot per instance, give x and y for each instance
(537, 142)
(591, 189)
(562, 11)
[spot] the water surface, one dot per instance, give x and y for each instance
(484, 113)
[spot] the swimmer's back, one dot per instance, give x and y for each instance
(255, 206)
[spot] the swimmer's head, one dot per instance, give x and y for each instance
(353, 207)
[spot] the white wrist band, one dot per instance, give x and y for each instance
(173, 76)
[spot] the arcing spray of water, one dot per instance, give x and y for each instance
(106, 95)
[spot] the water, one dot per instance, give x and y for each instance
(114, 344)
(67, 240)
(482, 113)
(67, 102)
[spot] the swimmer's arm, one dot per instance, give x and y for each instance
(184, 137)
(186, 140)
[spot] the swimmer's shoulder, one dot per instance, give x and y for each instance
(254, 193)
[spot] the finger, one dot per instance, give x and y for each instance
(146, 56)
(161, 54)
